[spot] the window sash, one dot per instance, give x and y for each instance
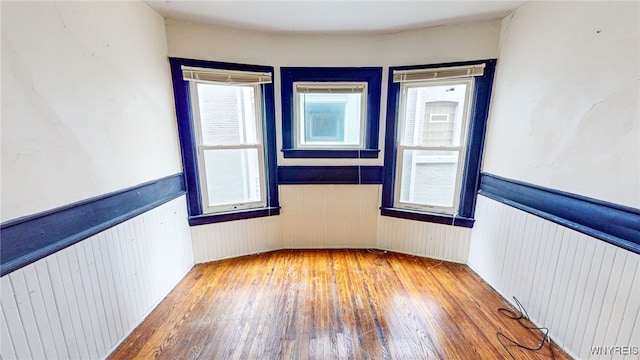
(244, 138)
(402, 119)
(201, 148)
(428, 207)
(204, 189)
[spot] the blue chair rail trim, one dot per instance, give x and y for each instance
(31, 238)
(297, 175)
(616, 224)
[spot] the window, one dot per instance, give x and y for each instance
(229, 145)
(438, 115)
(330, 112)
(226, 122)
(330, 115)
(430, 154)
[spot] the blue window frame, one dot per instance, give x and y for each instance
(191, 146)
(325, 125)
(473, 146)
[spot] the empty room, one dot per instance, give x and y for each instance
(320, 180)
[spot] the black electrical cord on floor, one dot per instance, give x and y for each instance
(520, 318)
(377, 252)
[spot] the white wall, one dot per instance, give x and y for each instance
(333, 215)
(565, 108)
(565, 115)
(86, 110)
(469, 41)
(87, 107)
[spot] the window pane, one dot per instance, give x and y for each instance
(232, 176)
(429, 177)
(227, 114)
(434, 115)
(330, 119)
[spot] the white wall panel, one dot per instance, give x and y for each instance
(80, 302)
(235, 238)
(437, 241)
(583, 289)
(329, 216)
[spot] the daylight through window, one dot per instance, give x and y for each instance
(433, 125)
(330, 115)
(227, 119)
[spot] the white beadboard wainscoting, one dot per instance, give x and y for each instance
(81, 302)
(329, 216)
(436, 241)
(312, 216)
(586, 291)
(235, 238)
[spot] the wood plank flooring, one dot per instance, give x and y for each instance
(329, 304)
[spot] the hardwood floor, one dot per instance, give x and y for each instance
(329, 304)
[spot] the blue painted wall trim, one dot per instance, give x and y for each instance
(31, 238)
(295, 175)
(331, 154)
(616, 224)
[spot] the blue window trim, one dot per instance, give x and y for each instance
(427, 217)
(299, 175)
(475, 145)
(188, 143)
(373, 77)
